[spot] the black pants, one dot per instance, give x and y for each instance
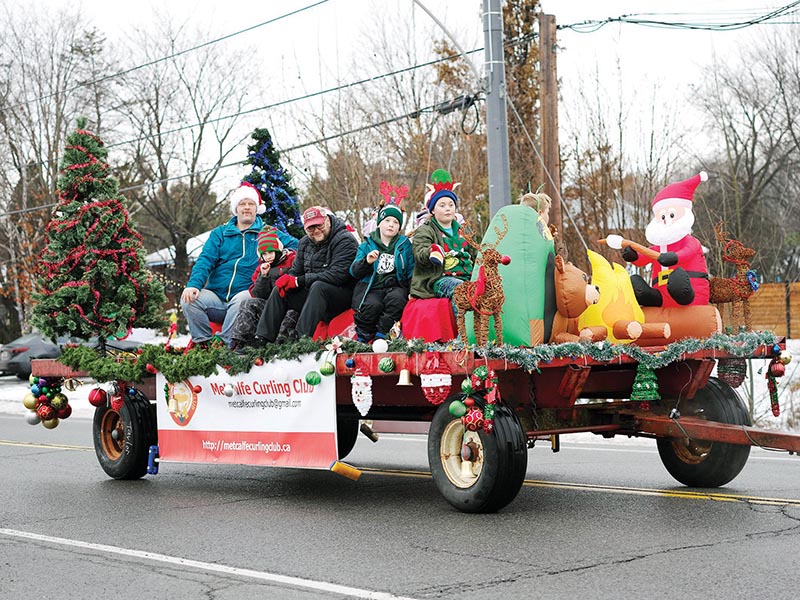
(321, 302)
(379, 310)
(244, 327)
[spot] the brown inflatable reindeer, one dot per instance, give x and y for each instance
(737, 289)
(484, 296)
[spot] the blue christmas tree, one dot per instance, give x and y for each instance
(274, 184)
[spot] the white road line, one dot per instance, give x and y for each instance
(212, 567)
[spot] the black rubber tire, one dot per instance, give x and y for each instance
(708, 464)
(125, 457)
(346, 434)
(505, 460)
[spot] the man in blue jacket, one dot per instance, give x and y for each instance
(222, 275)
(318, 286)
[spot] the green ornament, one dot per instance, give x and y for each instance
(327, 368)
(481, 372)
(466, 387)
(313, 378)
(386, 365)
(457, 408)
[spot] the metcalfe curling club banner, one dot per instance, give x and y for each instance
(269, 416)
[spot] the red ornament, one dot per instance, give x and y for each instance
(151, 369)
(116, 403)
(259, 361)
(45, 412)
(98, 397)
(65, 412)
(473, 420)
(197, 389)
(469, 402)
(777, 368)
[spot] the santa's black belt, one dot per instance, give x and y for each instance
(663, 276)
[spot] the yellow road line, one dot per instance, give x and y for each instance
(611, 489)
(686, 494)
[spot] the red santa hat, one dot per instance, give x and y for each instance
(679, 193)
(249, 192)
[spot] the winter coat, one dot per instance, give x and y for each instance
(229, 256)
(425, 272)
(403, 263)
(262, 285)
(329, 261)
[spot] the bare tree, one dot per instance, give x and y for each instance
(184, 115)
(45, 57)
(752, 112)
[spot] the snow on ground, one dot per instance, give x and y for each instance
(12, 390)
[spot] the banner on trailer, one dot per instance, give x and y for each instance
(269, 416)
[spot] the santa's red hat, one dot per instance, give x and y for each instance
(247, 191)
(679, 193)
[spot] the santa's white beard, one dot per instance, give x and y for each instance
(659, 234)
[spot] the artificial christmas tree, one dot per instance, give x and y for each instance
(274, 184)
(645, 387)
(91, 278)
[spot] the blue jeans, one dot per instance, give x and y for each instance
(210, 307)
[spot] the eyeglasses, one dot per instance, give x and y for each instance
(311, 228)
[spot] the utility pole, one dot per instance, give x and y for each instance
(496, 113)
(550, 171)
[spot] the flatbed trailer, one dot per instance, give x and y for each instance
(700, 424)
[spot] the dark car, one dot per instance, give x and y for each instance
(15, 357)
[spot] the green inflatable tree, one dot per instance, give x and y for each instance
(91, 279)
(274, 184)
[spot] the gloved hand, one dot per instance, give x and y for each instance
(629, 254)
(437, 255)
(285, 283)
(667, 259)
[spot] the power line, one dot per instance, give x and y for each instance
(174, 55)
(591, 26)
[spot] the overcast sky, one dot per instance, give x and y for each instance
(317, 46)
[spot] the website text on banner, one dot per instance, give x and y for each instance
(272, 417)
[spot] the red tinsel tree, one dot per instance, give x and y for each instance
(91, 279)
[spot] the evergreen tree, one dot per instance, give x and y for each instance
(274, 184)
(91, 279)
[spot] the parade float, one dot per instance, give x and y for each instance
(569, 355)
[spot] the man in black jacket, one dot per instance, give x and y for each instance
(319, 285)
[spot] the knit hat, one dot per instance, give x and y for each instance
(680, 193)
(268, 241)
(390, 210)
(247, 191)
(442, 186)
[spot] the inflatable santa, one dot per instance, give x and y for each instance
(680, 274)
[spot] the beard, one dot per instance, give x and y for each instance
(659, 234)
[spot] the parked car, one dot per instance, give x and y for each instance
(15, 357)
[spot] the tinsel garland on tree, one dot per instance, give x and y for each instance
(177, 366)
(91, 278)
(274, 184)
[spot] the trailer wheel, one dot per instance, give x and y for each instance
(346, 435)
(499, 460)
(707, 464)
(122, 439)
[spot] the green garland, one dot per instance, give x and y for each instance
(176, 365)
